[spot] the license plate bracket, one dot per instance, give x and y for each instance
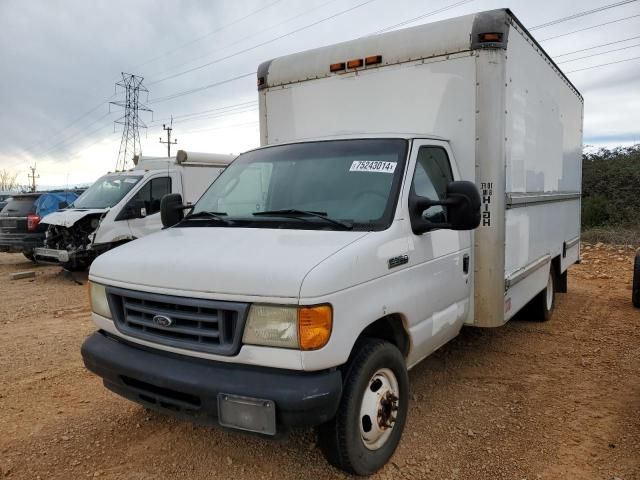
(247, 413)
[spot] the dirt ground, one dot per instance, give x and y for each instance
(555, 400)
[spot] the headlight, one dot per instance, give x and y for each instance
(306, 328)
(98, 300)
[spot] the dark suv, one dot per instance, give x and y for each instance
(20, 228)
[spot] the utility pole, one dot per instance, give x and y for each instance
(130, 143)
(168, 142)
(32, 176)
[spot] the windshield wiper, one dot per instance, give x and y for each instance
(293, 212)
(219, 216)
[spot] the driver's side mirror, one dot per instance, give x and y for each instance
(171, 209)
(134, 209)
(461, 203)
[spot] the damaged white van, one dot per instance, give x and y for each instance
(407, 184)
(122, 206)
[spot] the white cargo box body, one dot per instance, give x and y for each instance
(194, 180)
(513, 120)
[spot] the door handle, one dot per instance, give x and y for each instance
(465, 263)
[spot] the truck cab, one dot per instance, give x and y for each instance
(399, 193)
(122, 206)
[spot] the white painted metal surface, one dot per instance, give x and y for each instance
(488, 106)
(431, 97)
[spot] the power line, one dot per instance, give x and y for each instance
(57, 145)
(253, 47)
(222, 127)
(87, 113)
(582, 14)
(199, 89)
(601, 53)
(202, 37)
(189, 114)
(86, 135)
(429, 14)
(226, 113)
(589, 28)
(596, 46)
(215, 84)
(65, 128)
(603, 65)
(254, 34)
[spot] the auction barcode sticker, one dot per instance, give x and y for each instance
(373, 166)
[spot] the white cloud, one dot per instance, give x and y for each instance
(61, 58)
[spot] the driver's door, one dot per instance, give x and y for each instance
(440, 256)
(148, 197)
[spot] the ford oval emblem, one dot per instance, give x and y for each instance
(162, 321)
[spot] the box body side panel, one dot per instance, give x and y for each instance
(430, 97)
(543, 169)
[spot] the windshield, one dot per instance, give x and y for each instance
(106, 192)
(354, 182)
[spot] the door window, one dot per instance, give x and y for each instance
(152, 192)
(432, 175)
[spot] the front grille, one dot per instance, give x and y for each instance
(209, 326)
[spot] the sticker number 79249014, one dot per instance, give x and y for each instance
(373, 166)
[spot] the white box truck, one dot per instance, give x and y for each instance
(122, 206)
(350, 239)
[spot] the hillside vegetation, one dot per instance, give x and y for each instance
(611, 190)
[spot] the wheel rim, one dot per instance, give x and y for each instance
(550, 292)
(379, 408)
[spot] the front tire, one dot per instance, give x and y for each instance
(635, 295)
(368, 426)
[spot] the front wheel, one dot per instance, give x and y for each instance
(367, 428)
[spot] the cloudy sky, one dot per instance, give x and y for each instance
(61, 58)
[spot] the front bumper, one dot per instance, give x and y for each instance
(20, 242)
(189, 387)
(50, 255)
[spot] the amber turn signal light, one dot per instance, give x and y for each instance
(314, 326)
(490, 37)
(373, 60)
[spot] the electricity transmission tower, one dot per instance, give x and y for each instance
(130, 143)
(168, 142)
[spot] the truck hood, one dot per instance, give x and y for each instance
(68, 217)
(233, 261)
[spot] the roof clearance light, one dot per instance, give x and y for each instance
(490, 37)
(355, 63)
(336, 67)
(373, 60)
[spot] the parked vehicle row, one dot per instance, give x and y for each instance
(21, 226)
(122, 206)
(4, 197)
(71, 228)
(407, 184)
